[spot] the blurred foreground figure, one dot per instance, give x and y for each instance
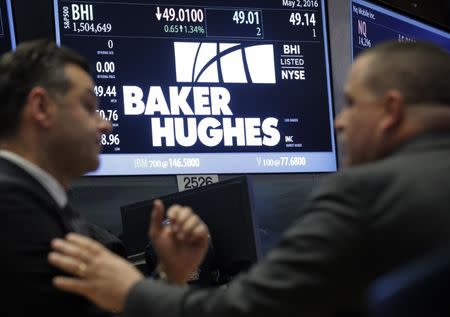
(49, 135)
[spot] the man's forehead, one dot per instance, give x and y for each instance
(360, 69)
(361, 65)
(79, 77)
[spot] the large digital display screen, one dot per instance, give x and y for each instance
(373, 24)
(7, 37)
(195, 87)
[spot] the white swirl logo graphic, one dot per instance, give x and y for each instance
(224, 63)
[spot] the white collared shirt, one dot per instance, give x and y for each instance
(45, 179)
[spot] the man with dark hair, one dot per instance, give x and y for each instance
(49, 134)
(391, 206)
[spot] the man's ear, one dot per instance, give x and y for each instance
(393, 110)
(40, 107)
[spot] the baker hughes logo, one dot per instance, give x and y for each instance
(224, 63)
(192, 113)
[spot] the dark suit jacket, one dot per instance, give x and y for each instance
(359, 224)
(29, 219)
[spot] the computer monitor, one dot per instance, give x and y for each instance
(204, 86)
(373, 23)
(7, 35)
(227, 209)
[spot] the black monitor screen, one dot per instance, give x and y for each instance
(207, 86)
(7, 37)
(227, 209)
(373, 24)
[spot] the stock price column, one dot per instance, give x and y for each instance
(82, 21)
